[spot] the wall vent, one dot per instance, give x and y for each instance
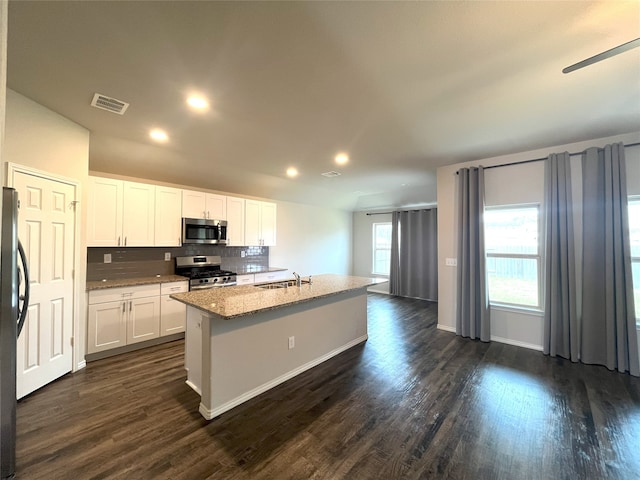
(110, 104)
(331, 174)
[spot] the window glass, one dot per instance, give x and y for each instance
(381, 248)
(513, 255)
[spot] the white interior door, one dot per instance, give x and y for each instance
(46, 225)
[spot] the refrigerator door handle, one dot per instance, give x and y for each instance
(25, 298)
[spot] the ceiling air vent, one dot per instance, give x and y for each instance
(331, 174)
(110, 104)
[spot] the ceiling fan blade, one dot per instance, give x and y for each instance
(604, 55)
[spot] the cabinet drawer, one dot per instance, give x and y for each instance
(271, 276)
(174, 287)
(245, 279)
(123, 293)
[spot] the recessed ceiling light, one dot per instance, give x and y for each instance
(159, 135)
(198, 102)
(341, 158)
(292, 172)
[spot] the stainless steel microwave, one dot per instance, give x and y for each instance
(204, 230)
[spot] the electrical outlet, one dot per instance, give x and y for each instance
(107, 258)
(243, 253)
(167, 256)
(451, 262)
(292, 342)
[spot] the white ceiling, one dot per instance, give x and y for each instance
(403, 87)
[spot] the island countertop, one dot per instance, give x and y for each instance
(238, 301)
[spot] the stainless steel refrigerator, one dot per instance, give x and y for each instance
(13, 309)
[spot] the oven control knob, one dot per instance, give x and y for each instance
(202, 281)
(215, 280)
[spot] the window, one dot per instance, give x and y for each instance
(634, 234)
(381, 248)
(513, 255)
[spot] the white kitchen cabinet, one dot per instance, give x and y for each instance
(245, 279)
(168, 217)
(204, 205)
(173, 314)
(120, 213)
(138, 214)
(260, 223)
(235, 221)
(271, 276)
(104, 217)
(122, 316)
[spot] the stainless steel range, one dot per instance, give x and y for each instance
(204, 271)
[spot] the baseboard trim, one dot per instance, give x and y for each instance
(210, 414)
(516, 343)
(193, 387)
(446, 328)
(80, 365)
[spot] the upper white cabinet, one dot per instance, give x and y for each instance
(203, 205)
(235, 221)
(260, 223)
(168, 217)
(120, 213)
(104, 218)
(138, 214)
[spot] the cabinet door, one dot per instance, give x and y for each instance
(268, 224)
(107, 326)
(168, 217)
(235, 221)
(104, 215)
(144, 319)
(173, 316)
(245, 279)
(216, 206)
(138, 217)
(252, 223)
(194, 204)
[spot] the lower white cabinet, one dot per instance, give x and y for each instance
(271, 276)
(245, 279)
(173, 314)
(127, 315)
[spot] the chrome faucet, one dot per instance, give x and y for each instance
(298, 279)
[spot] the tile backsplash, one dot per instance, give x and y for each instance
(130, 262)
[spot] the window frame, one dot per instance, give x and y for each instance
(635, 199)
(533, 256)
(375, 249)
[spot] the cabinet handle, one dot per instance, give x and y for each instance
(125, 241)
(130, 305)
(118, 241)
(124, 305)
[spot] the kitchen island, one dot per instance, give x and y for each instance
(242, 341)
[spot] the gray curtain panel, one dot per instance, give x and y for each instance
(472, 300)
(414, 253)
(608, 313)
(561, 334)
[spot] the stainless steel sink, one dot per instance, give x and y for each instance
(282, 284)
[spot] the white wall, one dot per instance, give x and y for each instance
(508, 185)
(4, 12)
(363, 247)
(39, 138)
(312, 240)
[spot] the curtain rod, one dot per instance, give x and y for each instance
(409, 210)
(541, 159)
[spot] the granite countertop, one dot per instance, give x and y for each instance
(130, 282)
(238, 301)
(249, 269)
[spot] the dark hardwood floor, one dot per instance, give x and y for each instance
(412, 402)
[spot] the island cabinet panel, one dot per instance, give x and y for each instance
(242, 357)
